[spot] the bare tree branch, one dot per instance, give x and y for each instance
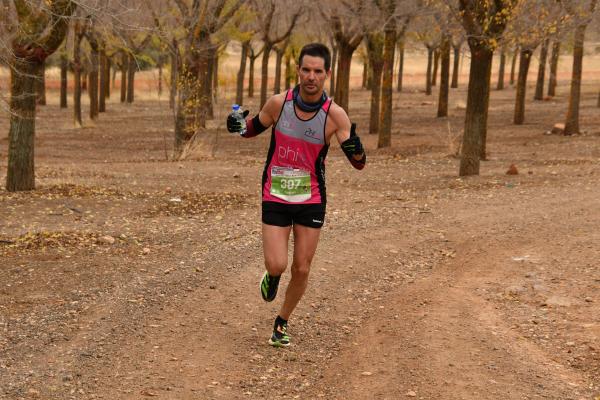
(291, 27)
(183, 8)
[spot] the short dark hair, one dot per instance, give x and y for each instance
(316, 50)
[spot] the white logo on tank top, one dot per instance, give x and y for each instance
(289, 154)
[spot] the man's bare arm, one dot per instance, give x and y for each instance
(270, 111)
(341, 122)
(265, 118)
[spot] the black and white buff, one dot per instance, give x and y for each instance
(308, 107)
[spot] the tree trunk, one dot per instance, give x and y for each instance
(174, 73)
(278, 60)
(41, 86)
(501, 68)
(333, 69)
(209, 82)
(366, 77)
(193, 95)
(131, 67)
(288, 71)
(513, 66)
(541, 76)
(187, 102)
(524, 61)
(251, 77)
(429, 67)
(215, 76)
(102, 85)
(38, 36)
(456, 65)
(84, 79)
(400, 66)
(241, 75)
(93, 84)
(478, 95)
(23, 95)
(187, 95)
(107, 77)
(572, 121)
(552, 81)
(264, 75)
(444, 78)
(77, 119)
(436, 63)
(374, 62)
(385, 128)
(124, 68)
(64, 67)
(342, 85)
(160, 78)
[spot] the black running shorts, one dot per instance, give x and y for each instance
(280, 214)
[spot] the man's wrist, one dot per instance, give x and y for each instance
(254, 127)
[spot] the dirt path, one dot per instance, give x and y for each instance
(446, 336)
(416, 297)
(424, 285)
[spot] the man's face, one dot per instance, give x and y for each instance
(312, 75)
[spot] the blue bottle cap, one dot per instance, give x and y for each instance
(236, 107)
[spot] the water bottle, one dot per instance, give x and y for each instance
(239, 115)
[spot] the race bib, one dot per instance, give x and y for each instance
(290, 184)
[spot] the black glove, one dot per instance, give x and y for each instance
(353, 145)
(233, 123)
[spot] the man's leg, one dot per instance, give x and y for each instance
(275, 248)
(305, 245)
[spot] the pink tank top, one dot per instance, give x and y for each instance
(295, 168)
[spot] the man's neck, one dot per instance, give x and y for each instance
(311, 99)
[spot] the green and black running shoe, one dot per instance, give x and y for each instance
(280, 338)
(268, 286)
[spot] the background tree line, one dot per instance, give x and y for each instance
(93, 42)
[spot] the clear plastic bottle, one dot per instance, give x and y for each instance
(239, 115)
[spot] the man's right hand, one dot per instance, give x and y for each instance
(233, 124)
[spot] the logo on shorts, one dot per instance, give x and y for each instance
(317, 221)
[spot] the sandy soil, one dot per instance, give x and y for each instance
(126, 276)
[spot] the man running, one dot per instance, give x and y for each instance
(293, 183)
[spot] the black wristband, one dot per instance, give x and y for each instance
(254, 127)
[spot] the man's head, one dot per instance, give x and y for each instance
(314, 67)
(316, 50)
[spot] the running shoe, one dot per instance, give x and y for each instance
(280, 338)
(268, 286)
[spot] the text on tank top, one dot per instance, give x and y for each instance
(295, 167)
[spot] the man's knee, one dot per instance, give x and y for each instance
(275, 267)
(301, 269)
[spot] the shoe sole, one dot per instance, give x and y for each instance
(278, 344)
